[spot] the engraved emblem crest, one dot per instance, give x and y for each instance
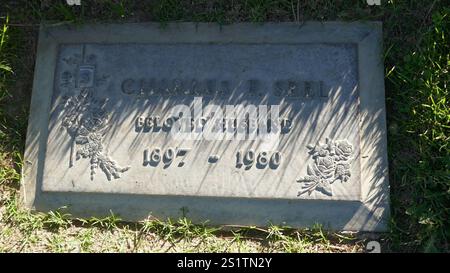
(332, 162)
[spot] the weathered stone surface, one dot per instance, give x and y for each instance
(99, 130)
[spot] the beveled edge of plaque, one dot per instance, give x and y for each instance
(371, 214)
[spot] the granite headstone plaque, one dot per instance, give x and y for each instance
(238, 124)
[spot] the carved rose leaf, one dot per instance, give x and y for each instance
(309, 184)
(325, 188)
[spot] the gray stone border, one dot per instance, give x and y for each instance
(371, 214)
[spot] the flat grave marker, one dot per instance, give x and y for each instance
(239, 124)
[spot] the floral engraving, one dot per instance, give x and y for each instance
(332, 162)
(86, 121)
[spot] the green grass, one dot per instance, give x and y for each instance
(58, 232)
(419, 127)
(416, 58)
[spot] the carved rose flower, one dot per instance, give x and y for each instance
(322, 151)
(94, 121)
(342, 172)
(90, 145)
(343, 150)
(325, 165)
